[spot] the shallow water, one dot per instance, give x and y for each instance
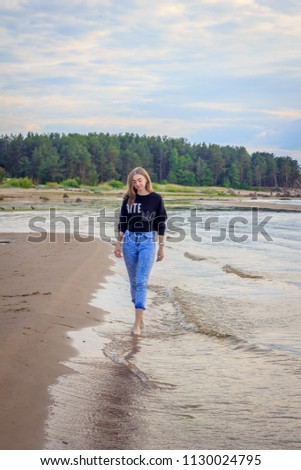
(219, 363)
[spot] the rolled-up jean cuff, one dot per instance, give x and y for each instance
(139, 305)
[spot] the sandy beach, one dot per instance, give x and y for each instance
(45, 292)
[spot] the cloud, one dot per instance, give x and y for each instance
(216, 70)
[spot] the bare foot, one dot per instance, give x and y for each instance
(139, 323)
(136, 331)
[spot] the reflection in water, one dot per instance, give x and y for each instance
(99, 407)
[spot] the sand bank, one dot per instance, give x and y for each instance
(44, 293)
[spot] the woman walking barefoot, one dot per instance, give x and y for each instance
(142, 215)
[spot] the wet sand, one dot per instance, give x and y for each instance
(45, 291)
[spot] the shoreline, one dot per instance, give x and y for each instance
(45, 293)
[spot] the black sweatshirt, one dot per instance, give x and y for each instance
(147, 214)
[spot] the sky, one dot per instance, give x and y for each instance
(215, 71)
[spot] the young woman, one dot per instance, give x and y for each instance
(142, 215)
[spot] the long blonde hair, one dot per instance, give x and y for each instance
(131, 191)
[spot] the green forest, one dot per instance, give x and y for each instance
(98, 157)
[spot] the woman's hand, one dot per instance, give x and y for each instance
(160, 254)
(118, 251)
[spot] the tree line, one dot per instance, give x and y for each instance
(100, 157)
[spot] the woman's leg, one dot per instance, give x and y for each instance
(130, 254)
(139, 259)
(146, 257)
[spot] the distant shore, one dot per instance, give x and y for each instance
(45, 291)
(14, 199)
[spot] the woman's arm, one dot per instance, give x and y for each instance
(161, 217)
(160, 254)
(122, 226)
(118, 250)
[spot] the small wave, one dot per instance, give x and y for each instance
(272, 354)
(162, 294)
(221, 318)
(209, 322)
(230, 269)
(194, 257)
(194, 318)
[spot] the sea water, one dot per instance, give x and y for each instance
(218, 365)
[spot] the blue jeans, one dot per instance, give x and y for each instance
(139, 251)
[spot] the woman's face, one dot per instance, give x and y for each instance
(139, 182)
